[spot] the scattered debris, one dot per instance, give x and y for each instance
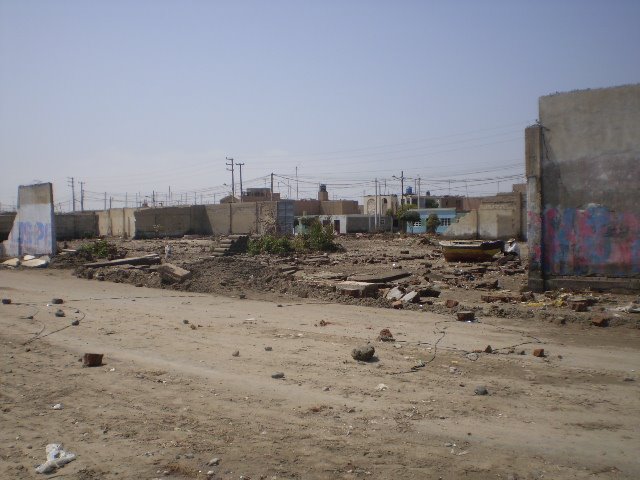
(277, 375)
(12, 262)
(396, 293)
(75, 323)
(397, 304)
(152, 259)
(539, 352)
(56, 458)
(466, 316)
(600, 322)
(57, 301)
(171, 273)
(236, 353)
(268, 349)
(381, 387)
(59, 313)
(58, 406)
(386, 336)
(213, 462)
(488, 349)
(41, 262)
(451, 303)
(6, 301)
(363, 353)
(92, 359)
(481, 390)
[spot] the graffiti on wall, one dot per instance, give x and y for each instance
(34, 236)
(591, 241)
(534, 224)
(33, 230)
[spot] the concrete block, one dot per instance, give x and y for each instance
(358, 289)
(395, 293)
(172, 273)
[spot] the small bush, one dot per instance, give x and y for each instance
(98, 249)
(319, 239)
(269, 244)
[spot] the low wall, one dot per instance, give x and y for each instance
(498, 217)
(76, 225)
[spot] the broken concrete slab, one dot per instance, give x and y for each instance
(396, 293)
(12, 262)
(172, 273)
(152, 259)
(358, 289)
(41, 262)
(429, 291)
(379, 277)
(411, 297)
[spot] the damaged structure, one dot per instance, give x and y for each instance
(33, 229)
(582, 166)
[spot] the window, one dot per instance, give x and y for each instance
(445, 222)
(417, 224)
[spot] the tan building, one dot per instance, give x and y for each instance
(386, 203)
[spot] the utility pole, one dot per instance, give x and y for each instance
(375, 223)
(105, 200)
(82, 196)
(240, 165)
(419, 191)
(272, 186)
(233, 181)
(297, 197)
(70, 182)
(401, 187)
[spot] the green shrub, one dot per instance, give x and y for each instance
(269, 244)
(98, 249)
(319, 238)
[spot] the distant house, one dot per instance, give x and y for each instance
(447, 216)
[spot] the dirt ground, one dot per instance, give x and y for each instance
(171, 395)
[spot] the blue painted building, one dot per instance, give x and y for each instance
(447, 217)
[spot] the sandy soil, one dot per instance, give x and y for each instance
(171, 396)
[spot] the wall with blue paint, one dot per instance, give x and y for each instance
(33, 230)
(589, 171)
(449, 215)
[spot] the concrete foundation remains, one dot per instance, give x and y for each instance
(33, 230)
(583, 165)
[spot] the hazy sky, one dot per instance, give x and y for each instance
(135, 96)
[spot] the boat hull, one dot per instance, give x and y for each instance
(470, 251)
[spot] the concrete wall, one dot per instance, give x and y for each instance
(466, 227)
(339, 207)
(583, 165)
(76, 225)
(499, 216)
(307, 207)
(33, 229)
